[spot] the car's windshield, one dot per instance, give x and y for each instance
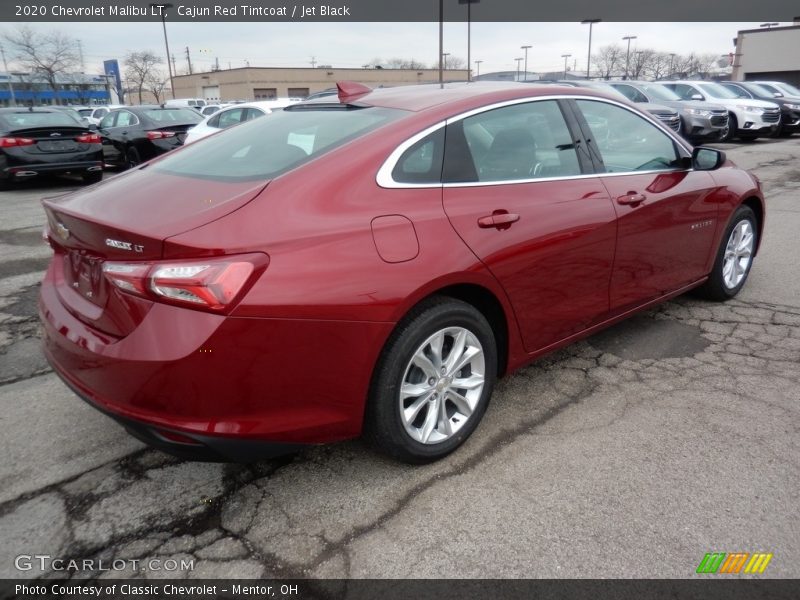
(789, 89)
(266, 148)
(27, 119)
(659, 92)
(715, 90)
(760, 90)
(85, 112)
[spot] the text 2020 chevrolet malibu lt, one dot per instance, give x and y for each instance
(373, 263)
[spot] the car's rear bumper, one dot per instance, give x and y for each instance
(216, 379)
(18, 171)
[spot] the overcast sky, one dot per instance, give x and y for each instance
(355, 44)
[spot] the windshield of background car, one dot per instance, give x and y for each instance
(760, 90)
(659, 92)
(27, 119)
(717, 91)
(267, 148)
(789, 90)
(85, 112)
(167, 116)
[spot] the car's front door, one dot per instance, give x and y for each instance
(518, 192)
(106, 129)
(666, 211)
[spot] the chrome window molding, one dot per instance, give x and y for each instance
(384, 176)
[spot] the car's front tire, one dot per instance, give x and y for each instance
(93, 177)
(132, 158)
(433, 381)
(734, 257)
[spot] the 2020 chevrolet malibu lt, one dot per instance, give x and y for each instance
(373, 264)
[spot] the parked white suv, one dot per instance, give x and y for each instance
(748, 120)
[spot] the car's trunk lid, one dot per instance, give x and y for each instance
(127, 219)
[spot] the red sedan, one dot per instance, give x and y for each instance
(370, 264)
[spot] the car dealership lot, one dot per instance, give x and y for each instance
(631, 454)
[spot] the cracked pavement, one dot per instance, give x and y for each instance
(629, 454)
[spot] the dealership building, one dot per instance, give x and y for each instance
(28, 89)
(768, 54)
(266, 83)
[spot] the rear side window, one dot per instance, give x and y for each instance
(522, 141)
(422, 162)
(126, 119)
(265, 148)
(27, 119)
(628, 142)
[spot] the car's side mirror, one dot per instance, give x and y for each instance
(778, 95)
(697, 97)
(707, 159)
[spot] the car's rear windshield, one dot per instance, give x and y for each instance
(173, 115)
(27, 119)
(267, 148)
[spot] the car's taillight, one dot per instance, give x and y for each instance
(88, 138)
(212, 284)
(158, 135)
(12, 142)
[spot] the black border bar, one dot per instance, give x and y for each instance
(343, 11)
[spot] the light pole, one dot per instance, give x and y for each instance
(628, 53)
(469, 4)
(163, 11)
(671, 60)
(769, 25)
(589, 59)
(525, 76)
(478, 68)
(441, 41)
(565, 57)
(444, 56)
(519, 60)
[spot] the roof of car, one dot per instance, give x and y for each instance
(425, 96)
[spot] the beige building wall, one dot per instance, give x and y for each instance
(257, 83)
(775, 50)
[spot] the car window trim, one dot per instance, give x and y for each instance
(384, 175)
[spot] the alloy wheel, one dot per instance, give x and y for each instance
(441, 385)
(738, 254)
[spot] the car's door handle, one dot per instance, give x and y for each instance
(631, 198)
(498, 219)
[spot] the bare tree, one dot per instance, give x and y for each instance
(403, 63)
(451, 62)
(156, 84)
(139, 67)
(608, 60)
(658, 66)
(49, 55)
(640, 61)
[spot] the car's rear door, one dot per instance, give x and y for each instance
(109, 136)
(517, 189)
(666, 212)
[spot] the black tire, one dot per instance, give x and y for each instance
(5, 184)
(132, 158)
(748, 138)
(92, 177)
(383, 425)
(715, 287)
(729, 133)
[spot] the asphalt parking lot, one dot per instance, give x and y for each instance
(630, 454)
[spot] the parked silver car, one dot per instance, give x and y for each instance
(700, 121)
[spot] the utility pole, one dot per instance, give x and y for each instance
(170, 65)
(216, 67)
(469, 4)
(444, 56)
(565, 57)
(478, 68)
(525, 76)
(174, 68)
(10, 84)
(628, 53)
(80, 54)
(519, 60)
(590, 22)
(189, 60)
(441, 43)
(313, 62)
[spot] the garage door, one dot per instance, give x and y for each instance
(211, 93)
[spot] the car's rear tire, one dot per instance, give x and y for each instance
(92, 177)
(734, 257)
(132, 158)
(416, 411)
